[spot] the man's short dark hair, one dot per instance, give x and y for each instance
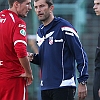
(10, 2)
(49, 2)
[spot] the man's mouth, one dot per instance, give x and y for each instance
(40, 14)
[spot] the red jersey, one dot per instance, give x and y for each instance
(13, 44)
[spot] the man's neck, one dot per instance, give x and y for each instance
(49, 20)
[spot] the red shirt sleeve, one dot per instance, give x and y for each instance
(20, 39)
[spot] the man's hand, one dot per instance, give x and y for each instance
(82, 91)
(28, 72)
(30, 56)
(29, 78)
(99, 92)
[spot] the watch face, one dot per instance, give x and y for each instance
(83, 83)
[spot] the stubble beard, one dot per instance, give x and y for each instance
(45, 18)
(23, 16)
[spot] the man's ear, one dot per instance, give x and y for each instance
(51, 8)
(16, 4)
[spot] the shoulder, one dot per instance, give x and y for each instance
(62, 22)
(65, 22)
(66, 25)
(12, 17)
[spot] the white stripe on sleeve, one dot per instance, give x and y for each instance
(71, 30)
(17, 41)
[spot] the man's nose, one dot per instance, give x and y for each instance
(30, 7)
(94, 6)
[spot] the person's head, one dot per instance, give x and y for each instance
(20, 7)
(44, 10)
(96, 7)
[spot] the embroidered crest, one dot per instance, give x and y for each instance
(50, 40)
(23, 32)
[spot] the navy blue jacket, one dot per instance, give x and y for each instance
(59, 51)
(97, 55)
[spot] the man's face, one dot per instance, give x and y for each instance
(23, 8)
(96, 7)
(42, 10)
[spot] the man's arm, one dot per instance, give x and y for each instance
(28, 72)
(75, 46)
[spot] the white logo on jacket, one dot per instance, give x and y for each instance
(49, 34)
(42, 39)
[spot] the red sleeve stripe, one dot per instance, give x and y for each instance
(22, 41)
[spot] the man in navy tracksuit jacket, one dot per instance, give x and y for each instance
(59, 49)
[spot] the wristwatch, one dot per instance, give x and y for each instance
(83, 82)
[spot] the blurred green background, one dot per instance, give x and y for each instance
(81, 15)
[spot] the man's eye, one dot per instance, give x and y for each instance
(98, 3)
(42, 5)
(35, 7)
